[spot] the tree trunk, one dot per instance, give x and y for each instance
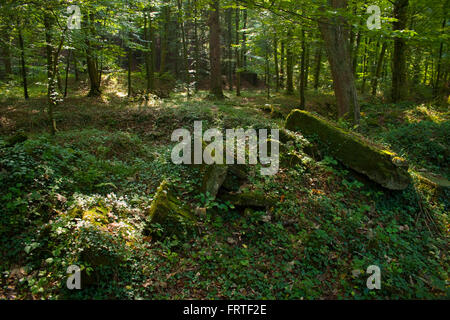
(6, 51)
(289, 65)
(129, 61)
(51, 90)
(183, 41)
(318, 66)
(149, 66)
(244, 42)
(399, 59)
(22, 61)
(75, 68)
(67, 73)
(302, 72)
(164, 42)
(267, 76)
(425, 73)
(306, 67)
(365, 63)
(229, 49)
(238, 55)
(94, 82)
(275, 58)
(378, 70)
(214, 50)
(282, 65)
(335, 35)
(355, 54)
(439, 64)
(197, 49)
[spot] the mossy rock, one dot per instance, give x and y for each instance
(213, 178)
(96, 215)
(435, 185)
(249, 199)
(274, 111)
(351, 150)
(168, 211)
(237, 175)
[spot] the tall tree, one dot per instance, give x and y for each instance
(334, 31)
(275, 61)
(399, 86)
(378, 68)
(318, 66)
(22, 60)
(91, 61)
(214, 50)
(439, 64)
(289, 64)
(238, 54)
(303, 71)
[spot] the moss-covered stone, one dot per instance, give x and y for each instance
(436, 186)
(168, 211)
(274, 111)
(351, 150)
(96, 215)
(249, 199)
(237, 175)
(213, 178)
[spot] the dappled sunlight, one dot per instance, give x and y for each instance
(424, 112)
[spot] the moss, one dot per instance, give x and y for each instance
(249, 199)
(275, 111)
(168, 211)
(237, 175)
(96, 215)
(213, 178)
(436, 186)
(351, 150)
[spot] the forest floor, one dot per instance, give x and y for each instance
(111, 154)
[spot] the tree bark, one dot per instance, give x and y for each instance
(184, 45)
(149, 66)
(229, 48)
(22, 61)
(318, 67)
(335, 35)
(164, 42)
(378, 70)
(94, 81)
(238, 55)
(214, 50)
(275, 58)
(302, 72)
(197, 49)
(289, 65)
(282, 65)
(51, 90)
(439, 64)
(244, 42)
(67, 72)
(399, 59)
(6, 51)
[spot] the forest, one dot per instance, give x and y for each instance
(116, 118)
